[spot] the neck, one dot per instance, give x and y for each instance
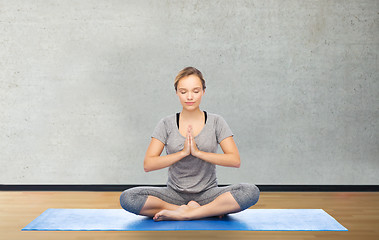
(196, 113)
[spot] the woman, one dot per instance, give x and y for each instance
(191, 138)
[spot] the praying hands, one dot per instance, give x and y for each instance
(190, 144)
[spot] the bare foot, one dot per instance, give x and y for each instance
(193, 204)
(178, 214)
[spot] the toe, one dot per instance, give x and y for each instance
(157, 216)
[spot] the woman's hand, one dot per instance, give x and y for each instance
(187, 145)
(194, 149)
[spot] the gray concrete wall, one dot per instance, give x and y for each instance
(83, 84)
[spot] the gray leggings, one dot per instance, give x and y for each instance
(133, 199)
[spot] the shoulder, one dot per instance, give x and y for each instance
(216, 118)
(169, 118)
(221, 127)
(168, 121)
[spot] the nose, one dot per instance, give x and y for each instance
(189, 96)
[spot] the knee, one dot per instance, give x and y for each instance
(246, 195)
(125, 200)
(253, 193)
(132, 201)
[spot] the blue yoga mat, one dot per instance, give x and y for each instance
(248, 220)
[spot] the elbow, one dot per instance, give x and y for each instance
(146, 166)
(237, 163)
(233, 161)
(146, 169)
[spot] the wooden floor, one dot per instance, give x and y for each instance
(357, 211)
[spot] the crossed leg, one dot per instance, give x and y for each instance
(154, 205)
(160, 210)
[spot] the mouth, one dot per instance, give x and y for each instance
(190, 103)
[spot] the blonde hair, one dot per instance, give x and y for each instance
(187, 72)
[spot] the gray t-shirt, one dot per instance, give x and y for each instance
(191, 174)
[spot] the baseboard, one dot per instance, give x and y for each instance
(118, 188)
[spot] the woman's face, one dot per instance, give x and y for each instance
(190, 91)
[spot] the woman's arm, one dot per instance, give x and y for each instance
(153, 159)
(230, 157)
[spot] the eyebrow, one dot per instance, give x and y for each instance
(186, 88)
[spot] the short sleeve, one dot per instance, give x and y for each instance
(222, 129)
(160, 132)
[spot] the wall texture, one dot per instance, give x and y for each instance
(83, 84)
